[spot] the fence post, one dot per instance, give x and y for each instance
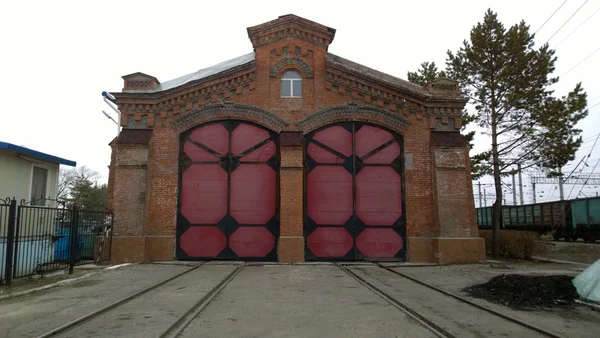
(8, 264)
(73, 238)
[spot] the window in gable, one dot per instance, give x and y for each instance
(291, 84)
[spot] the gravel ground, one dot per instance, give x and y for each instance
(572, 321)
(523, 292)
(576, 252)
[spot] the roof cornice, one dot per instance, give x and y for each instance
(291, 25)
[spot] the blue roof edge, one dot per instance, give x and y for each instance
(36, 154)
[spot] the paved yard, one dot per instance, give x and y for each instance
(312, 300)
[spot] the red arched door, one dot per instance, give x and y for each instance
(228, 195)
(354, 193)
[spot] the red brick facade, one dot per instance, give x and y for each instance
(144, 169)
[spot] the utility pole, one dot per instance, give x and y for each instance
(485, 197)
(479, 184)
(533, 185)
(514, 189)
(560, 184)
(570, 179)
(520, 184)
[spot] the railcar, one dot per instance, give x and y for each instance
(568, 220)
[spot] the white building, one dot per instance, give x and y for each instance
(30, 175)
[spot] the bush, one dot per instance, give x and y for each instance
(513, 243)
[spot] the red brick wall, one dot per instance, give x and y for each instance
(154, 213)
(129, 190)
(111, 178)
(163, 181)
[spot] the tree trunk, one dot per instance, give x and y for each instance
(497, 208)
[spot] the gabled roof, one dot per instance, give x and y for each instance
(377, 75)
(36, 154)
(202, 73)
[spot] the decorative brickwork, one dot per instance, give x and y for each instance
(352, 112)
(137, 81)
(291, 26)
(143, 110)
(228, 111)
(443, 87)
(294, 63)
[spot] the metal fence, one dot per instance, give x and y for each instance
(37, 240)
(5, 209)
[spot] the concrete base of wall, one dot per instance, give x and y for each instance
(134, 249)
(291, 249)
(444, 250)
(131, 249)
(127, 249)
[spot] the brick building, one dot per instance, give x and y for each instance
(291, 153)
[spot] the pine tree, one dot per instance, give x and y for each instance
(508, 80)
(427, 73)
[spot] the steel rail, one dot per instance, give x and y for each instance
(182, 323)
(111, 306)
(467, 301)
(428, 324)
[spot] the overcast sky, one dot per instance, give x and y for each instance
(58, 56)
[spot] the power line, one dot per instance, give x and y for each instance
(580, 62)
(594, 105)
(577, 28)
(590, 153)
(559, 7)
(585, 164)
(580, 172)
(595, 165)
(569, 19)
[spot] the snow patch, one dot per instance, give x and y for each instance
(117, 266)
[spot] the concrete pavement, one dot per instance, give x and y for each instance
(33, 314)
(300, 301)
(274, 300)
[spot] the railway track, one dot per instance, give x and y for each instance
(434, 325)
(172, 331)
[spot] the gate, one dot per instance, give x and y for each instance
(228, 195)
(354, 193)
(37, 240)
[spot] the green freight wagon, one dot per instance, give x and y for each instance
(585, 215)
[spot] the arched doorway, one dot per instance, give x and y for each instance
(228, 193)
(354, 196)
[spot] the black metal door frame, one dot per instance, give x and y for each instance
(354, 225)
(228, 162)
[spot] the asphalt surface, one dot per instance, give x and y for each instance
(260, 301)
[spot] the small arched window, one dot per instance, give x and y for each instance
(291, 84)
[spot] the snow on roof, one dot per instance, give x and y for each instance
(202, 73)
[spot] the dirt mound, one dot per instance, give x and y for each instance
(526, 292)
